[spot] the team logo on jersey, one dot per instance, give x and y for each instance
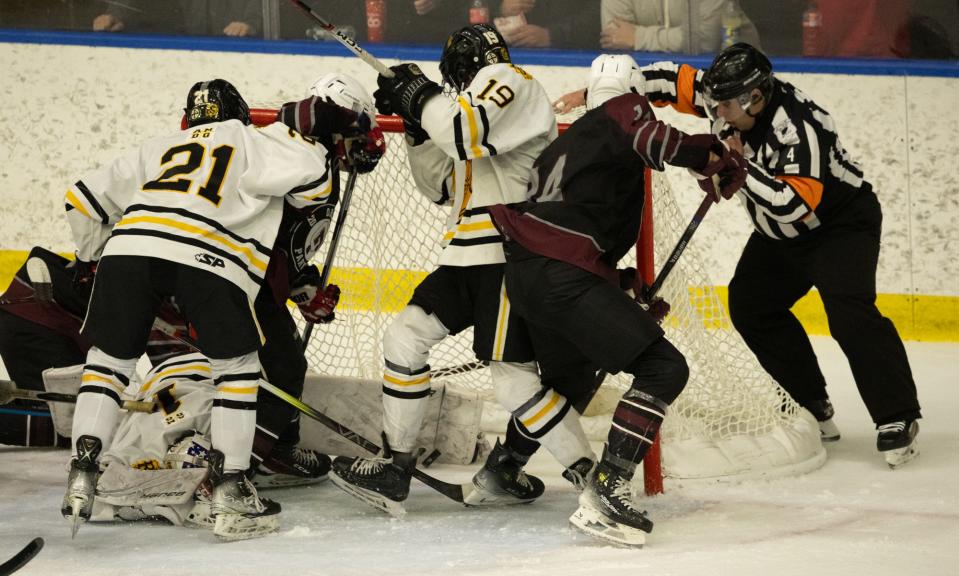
(210, 260)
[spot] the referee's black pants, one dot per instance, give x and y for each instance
(840, 261)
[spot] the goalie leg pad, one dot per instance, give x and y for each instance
(540, 413)
(104, 379)
(406, 378)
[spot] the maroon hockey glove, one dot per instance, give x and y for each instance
(635, 287)
(657, 307)
(362, 152)
(316, 306)
(724, 174)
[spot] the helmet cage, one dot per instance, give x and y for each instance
(468, 50)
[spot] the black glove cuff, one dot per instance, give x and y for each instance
(414, 97)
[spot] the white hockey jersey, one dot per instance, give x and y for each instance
(183, 388)
(481, 152)
(210, 197)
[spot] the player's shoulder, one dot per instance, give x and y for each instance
(505, 73)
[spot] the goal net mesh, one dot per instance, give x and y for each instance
(732, 420)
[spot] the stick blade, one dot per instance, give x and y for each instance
(22, 557)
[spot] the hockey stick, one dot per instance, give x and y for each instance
(680, 247)
(334, 242)
(451, 491)
(345, 40)
(20, 559)
(10, 392)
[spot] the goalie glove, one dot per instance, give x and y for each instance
(315, 305)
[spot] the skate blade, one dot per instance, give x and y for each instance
(231, 527)
(896, 458)
(477, 496)
(592, 522)
(74, 516)
(374, 499)
(284, 481)
(201, 516)
(828, 431)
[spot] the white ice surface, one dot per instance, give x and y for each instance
(853, 516)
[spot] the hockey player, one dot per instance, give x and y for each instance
(562, 248)
(190, 216)
(280, 462)
(817, 223)
(473, 151)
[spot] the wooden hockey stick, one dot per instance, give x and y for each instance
(451, 491)
(334, 242)
(9, 392)
(345, 40)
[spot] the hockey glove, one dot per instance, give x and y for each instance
(316, 306)
(633, 285)
(405, 93)
(323, 120)
(362, 152)
(415, 135)
(724, 174)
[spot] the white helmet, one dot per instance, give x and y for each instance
(190, 451)
(344, 91)
(612, 75)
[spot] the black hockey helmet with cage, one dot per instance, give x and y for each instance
(737, 70)
(469, 49)
(215, 101)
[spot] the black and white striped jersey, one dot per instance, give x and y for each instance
(210, 197)
(799, 172)
(480, 153)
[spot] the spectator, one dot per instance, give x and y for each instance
(664, 26)
(548, 23)
(190, 17)
(874, 28)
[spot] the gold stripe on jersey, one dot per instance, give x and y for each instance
(324, 193)
(544, 410)
(244, 390)
(204, 369)
(207, 234)
(471, 119)
(407, 380)
(502, 323)
(94, 378)
(72, 200)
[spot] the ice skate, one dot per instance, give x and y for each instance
(289, 465)
(383, 483)
(238, 511)
(578, 473)
(824, 412)
(81, 483)
(502, 480)
(201, 515)
(897, 442)
(606, 509)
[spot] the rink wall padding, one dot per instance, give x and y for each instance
(73, 101)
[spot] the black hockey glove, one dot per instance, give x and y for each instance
(362, 152)
(415, 133)
(405, 93)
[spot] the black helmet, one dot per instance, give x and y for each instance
(469, 49)
(215, 101)
(737, 70)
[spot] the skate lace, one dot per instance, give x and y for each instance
(623, 493)
(306, 458)
(368, 466)
(523, 480)
(892, 427)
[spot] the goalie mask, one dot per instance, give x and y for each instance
(733, 75)
(469, 49)
(344, 91)
(215, 101)
(190, 451)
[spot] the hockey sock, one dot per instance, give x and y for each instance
(233, 417)
(406, 378)
(636, 421)
(98, 403)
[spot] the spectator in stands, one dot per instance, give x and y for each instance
(688, 26)
(872, 28)
(190, 17)
(548, 23)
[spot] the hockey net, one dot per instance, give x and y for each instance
(732, 420)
